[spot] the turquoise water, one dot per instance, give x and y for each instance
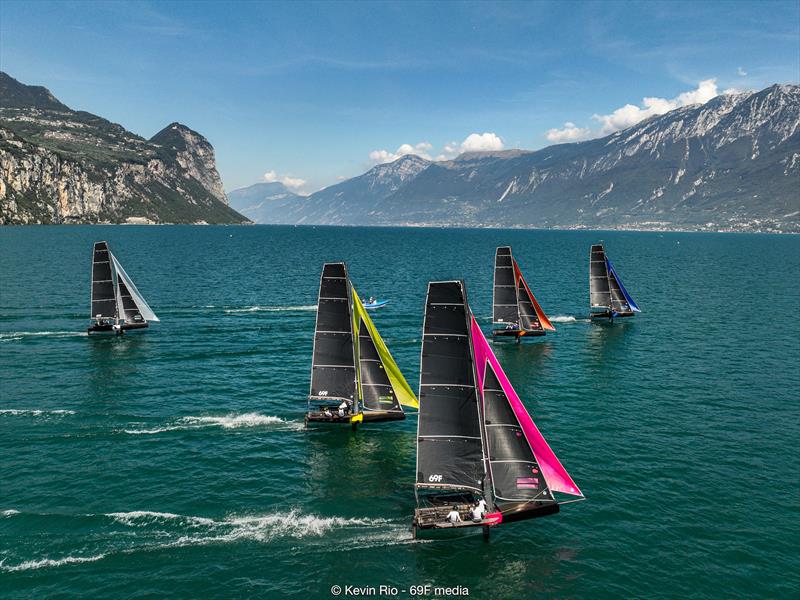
(175, 461)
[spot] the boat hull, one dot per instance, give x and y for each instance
(430, 522)
(518, 333)
(596, 316)
(320, 418)
(524, 511)
(374, 305)
(109, 328)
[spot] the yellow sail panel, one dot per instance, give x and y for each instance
(402, 390)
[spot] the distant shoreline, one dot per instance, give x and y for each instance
(419, 226)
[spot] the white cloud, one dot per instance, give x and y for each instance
(384, 156)
(290, 182)
(630, 114)
(741, 72)
(481, 142)
(570, 133)
(474, 142)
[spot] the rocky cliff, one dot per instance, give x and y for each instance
(58, 165)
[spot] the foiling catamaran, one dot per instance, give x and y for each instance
(475, 440)
(515, 311)
(608, 298)
(116, 304)
(353, 376)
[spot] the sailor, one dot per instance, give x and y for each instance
(343, 408)
(453, 516)
(479, 510)
(372, 300)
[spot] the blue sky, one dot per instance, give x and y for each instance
(315, 92)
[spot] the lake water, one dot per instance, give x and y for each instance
(175, 461)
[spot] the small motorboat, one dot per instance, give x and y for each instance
(373, 304)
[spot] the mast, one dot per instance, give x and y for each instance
(599, 287)
(450, 449)
(333, 364)
(505, 307)
(104, 304)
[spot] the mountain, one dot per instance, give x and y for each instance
(58, 165)
(259, 201)
(732, 163)
(349, 202)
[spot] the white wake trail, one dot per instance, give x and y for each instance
(31, 412)
(250, 309)
(229, 421)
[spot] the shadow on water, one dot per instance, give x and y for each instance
(529, 355)
(606, 339)
(350, 467)
(497, 568)
(114, 363)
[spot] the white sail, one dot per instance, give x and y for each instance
(144, 309)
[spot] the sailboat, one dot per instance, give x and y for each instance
(353, 376)
(608, 298)
(116, 304)
(515, 311)
(475, 439)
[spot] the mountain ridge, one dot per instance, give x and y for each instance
(732, 163)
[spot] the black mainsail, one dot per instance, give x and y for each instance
(104, 298)
(450, 452)
(333, 371)
(116, 304)
(505, 310)
(599, 289)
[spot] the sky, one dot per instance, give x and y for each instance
(313, 93)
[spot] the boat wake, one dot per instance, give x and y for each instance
(230, 421)
(251, 309)
(161, 530)
(143, 518)
(48, 562)
(15, 336)
(567, 319)
(14, 412)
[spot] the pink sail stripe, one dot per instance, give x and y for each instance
(554, 473)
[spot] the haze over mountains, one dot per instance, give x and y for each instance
(732, 163)
(58, 165)
(256, 201)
